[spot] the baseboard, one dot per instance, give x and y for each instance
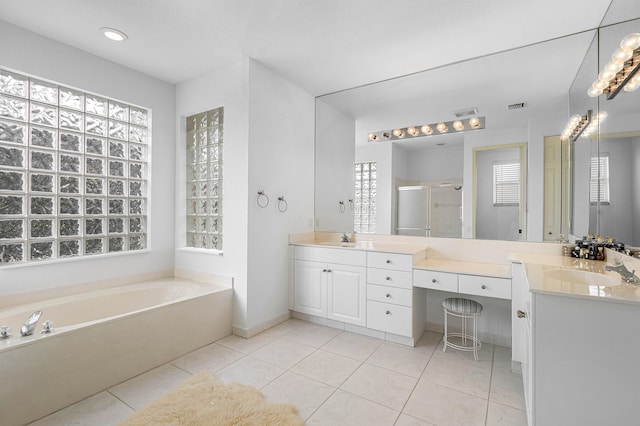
(484, 337)
(253, 331)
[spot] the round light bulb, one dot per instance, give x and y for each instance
(412, 131)
(631, 86)
(594, 92)
(427, 130)
(441, 127)
(373, 136)
(458, 125)
(600, 84)
(602, 115)
(386, 135)
(399, 133)
(622, 54)
(614, 66)
(632, 41)
(474, 122)
(606, 75)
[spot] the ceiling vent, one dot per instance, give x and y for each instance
(519, 105)
(466, 112)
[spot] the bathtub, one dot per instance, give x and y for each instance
(102, 338)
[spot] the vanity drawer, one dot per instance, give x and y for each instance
(384, 294)
(389, 318)
(444, 281)
(342, 256)
(499, 288)
(389, 277)
(399, 262)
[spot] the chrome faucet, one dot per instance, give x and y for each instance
(30, 325)
(345, 238)
(627, 276)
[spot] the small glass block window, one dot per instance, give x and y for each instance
(204, 179)
(364, 202)
(73, 171)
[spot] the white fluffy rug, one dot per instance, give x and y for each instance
(202, 400)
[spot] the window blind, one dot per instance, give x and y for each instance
(599, 180)
(506, 184)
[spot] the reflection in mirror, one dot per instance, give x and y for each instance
(527, 78)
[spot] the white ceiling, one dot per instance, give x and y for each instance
(321, 45)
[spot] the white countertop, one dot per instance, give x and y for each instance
(468, 268)
(367, 246)
(536, 266)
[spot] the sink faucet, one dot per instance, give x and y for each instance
(628, 276)
(345, 238)
(30, 325)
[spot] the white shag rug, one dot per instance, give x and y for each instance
(202, 400)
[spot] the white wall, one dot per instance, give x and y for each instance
(32, 54)
(281, 162)
(268, 145)
(436, 163)
(335, 152)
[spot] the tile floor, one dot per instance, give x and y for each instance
(335, 377)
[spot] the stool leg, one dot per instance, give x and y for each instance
(444, 338)
(475, 337)
(464, 331)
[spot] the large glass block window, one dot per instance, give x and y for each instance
(506, 184)
(364, 208)
(204, 179)
(73, 172)
(599, 180)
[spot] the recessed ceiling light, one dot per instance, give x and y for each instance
(113, 34)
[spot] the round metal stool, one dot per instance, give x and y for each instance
(462, 308)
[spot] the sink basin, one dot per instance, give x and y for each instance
(336, 244)
(583, 277)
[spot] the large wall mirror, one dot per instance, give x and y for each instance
(524, 97)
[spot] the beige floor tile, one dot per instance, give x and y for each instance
(380, 385)
(405, 420)
(100, 409)
(428, 342)
(246, 346)
(283, 353)
(501, 358)
(305, 393)
(400, 359)
(343, 408)
(149, 386)
(443, 406)
(501, 415)
(286, 327)
(327, 367)
(250, 371)
(353, 345)
(461, 376)
(507, 389)
(313, 335)
(212, 357)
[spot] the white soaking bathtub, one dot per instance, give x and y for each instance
(102, 338)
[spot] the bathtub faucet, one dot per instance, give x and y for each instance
(30, 324)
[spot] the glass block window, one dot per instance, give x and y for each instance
(73, 172)
(204, 179)
(364, 208)
(599, 180)
(506, 184)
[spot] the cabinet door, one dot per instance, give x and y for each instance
(310, 288)
(518, 312)
(347, 294)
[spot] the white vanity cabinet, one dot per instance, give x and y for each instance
(521, 343)
(330, 283)
(392, 305)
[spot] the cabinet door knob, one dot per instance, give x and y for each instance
(520, 314)
(484, 287)
(388, 278)
(387, 295)
(388, 312)
(328, 270)
(433, 280)
(388, 261)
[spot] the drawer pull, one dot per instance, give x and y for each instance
(388, 312)
(521, 314)
(388, 261)
(484, 287)
(324, 270)
(388, 278)
(329, 270)
(433, 280)
(388, 296)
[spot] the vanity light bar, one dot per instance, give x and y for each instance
(575, 126)
(443, 127)
(621, 72)
(595, 123)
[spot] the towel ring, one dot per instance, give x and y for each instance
(282, 204)
(341, 206)
(262, 199)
